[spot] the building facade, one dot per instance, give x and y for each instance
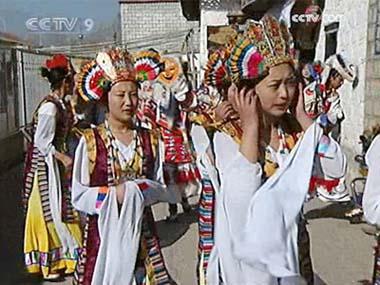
(355, 33)
(158, 24)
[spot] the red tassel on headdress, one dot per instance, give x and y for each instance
(58, 61)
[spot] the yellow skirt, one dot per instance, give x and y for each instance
(42, 247)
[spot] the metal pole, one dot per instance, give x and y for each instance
(21, 69)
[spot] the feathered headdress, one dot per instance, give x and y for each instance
(216, 72)
(264, 44)
(97, 76)
(147, 65)
(344, 68)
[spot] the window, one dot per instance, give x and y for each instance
(377, 29)
(331, 32)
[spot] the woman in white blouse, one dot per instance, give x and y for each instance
(371, 197)
(52, 232)
(267, 153)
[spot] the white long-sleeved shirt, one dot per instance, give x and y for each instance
(371, 198)
(85, 197)
(43, 140)
(240, 183)
(45, 131)
(119, 229)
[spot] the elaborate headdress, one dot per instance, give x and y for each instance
(264, 44)
(216, 72)
(344, 68)
(97, 76)
(147, 65)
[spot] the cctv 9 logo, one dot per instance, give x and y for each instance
(59, 25)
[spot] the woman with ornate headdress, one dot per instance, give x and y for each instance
(165, 92)
(112, 181)
(266, 152)
(321, 97)
(321, 94)
(52, 232)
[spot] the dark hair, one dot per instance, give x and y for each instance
(55, 76)
(104, 99)
(333, 73)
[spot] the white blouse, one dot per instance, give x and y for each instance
(371, 198)
(251, 244)
(43, 140)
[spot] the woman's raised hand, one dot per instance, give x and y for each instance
(246, 105)
(225, 112)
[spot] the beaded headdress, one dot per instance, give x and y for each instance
(97, 76)
(263, 45)
(147, 65)
(344, 68)
(216, 72)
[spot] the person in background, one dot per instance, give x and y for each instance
(115, 181)
(52, 239)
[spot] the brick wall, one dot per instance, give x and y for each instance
(142, 20)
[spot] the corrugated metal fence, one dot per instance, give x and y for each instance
(21, 87)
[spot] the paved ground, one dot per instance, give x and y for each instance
(342, 253)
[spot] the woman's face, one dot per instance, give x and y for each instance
(336, 81)
(122, 101)
(277, 90)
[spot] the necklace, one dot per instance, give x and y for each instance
(121, 167)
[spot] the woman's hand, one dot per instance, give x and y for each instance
(298, 110)
(246, 105)
(225, 112)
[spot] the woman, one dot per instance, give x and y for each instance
(371, 192)
(264, 172)
(114, 163)
(371, 195)
(52, 232)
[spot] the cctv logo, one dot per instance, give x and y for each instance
(313, 14)
(58, 25)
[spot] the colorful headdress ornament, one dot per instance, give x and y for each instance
(264, 44)
(216, 72)
(58, 61)
(147, 65)
(97, 76)
(346, 69)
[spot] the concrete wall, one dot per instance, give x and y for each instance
(352, 42)
(142, 20)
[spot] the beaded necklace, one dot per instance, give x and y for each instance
(121, 168)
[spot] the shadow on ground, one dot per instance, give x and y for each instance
(364, 282)
(335, 210)
(170, 232)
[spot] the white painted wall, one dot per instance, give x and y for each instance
(352, 42)
(209, 19)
